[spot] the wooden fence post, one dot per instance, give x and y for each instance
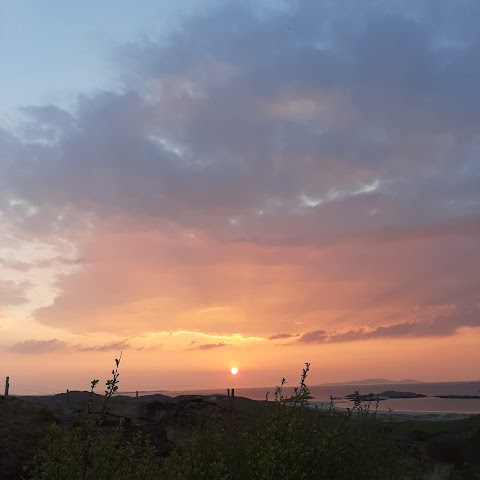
(136, 404)
(232, 400)
(7, 386)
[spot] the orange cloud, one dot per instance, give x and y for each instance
(146, 279)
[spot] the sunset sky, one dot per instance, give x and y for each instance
(252, 184)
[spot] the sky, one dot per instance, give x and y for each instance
(214, 184)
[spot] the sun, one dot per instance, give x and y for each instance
(234, 370)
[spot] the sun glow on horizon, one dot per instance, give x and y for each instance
(234, 370)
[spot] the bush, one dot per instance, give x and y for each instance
(289, 440)
(90, 452)
(87, 453)
(284, 439)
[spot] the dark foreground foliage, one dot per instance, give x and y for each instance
(290, 442)
(22, 426)
(279, 439)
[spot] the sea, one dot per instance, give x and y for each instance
(321, 396)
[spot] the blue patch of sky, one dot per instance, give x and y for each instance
(51, 51)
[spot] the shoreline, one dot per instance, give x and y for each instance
(403, 415)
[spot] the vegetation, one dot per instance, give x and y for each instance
(22, 426)
(280, 439)
(290, 442)
(89, 452)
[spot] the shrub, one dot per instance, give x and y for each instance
(91, 452)
(284, 439)
(289, 440)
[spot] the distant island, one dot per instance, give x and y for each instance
(376, 381)
(384, 396)
(294, 398)
(460, 397)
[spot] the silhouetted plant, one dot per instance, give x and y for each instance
(89, 453)
(289, 440)
(285, 439)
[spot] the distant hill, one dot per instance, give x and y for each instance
(375, 381)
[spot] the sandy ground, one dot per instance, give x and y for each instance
(404, 415)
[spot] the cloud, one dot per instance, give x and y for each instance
(317, 336)
(444, 325)
(280, 336)
(321, 336)
(39, 346)
(209, 346)
(151, 348)
(120, 345)
(15, 265)
(328, 100)
(75, 262)
(227, 169)
(55, 345)
(13, 293)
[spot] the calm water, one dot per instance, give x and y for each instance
(322, 393)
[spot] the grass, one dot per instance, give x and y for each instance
(22, 426)
(267, 440)
(292, 441)
(453, 446)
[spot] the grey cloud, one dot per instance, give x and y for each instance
(151, 348)
(13, 293)
(21, 266)
(39, 346)
(321, 336)
(72, 261)
(15, 265)
(387, 77)
(209, 346)
(396, 330)
(120, 345)
(317, 336)
(447, 324)
(55, 345)
(80, 261)
(443, 325)
(51, 122)
(281, 336)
